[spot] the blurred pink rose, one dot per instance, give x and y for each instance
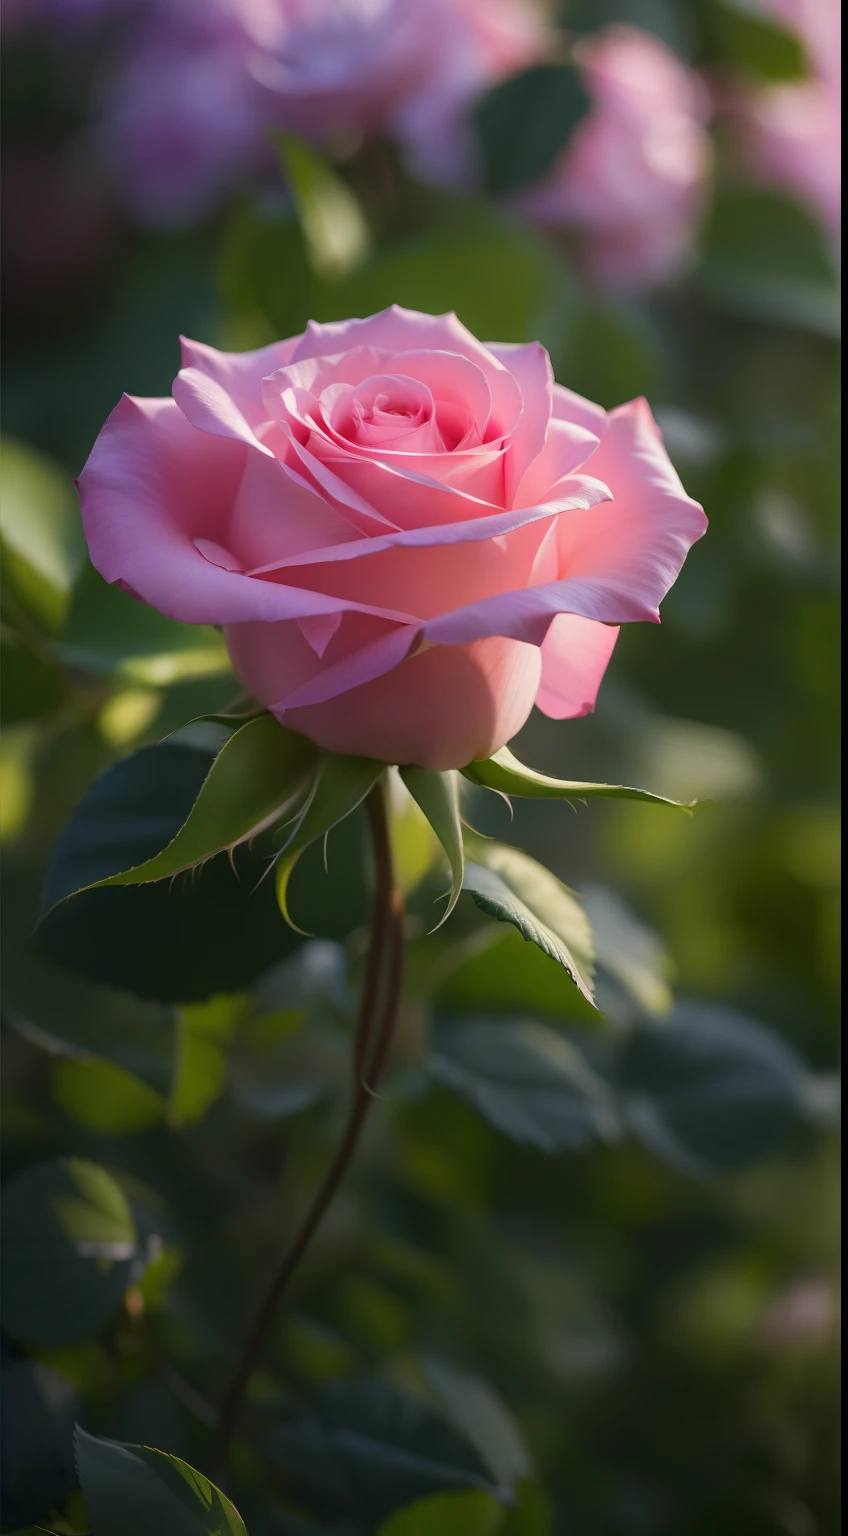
(408, 537)
(631, 183)
(201, 81)
(793, 132)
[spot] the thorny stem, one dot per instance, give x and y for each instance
(372, 1044)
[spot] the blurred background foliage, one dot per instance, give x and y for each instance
(583, 1275)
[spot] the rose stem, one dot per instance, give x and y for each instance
(371, 1049)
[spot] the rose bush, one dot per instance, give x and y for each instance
(631, 182)
(407, 536)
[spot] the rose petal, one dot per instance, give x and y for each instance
(575, 655)
(151, 486)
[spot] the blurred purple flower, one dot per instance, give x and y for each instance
(631, 182)
(201, 80)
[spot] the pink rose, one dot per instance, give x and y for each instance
(793, 132)
(408, 537)
(631, 183)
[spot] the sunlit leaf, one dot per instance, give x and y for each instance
(108, 631)
(513, 888)
(332, 221)
(255, 775)
(70, 1250)
(104, 1097)
(438, 797)
(501, 279)
(746, 35)
(340, 785)
(527, 1080)
(503, 772)
(200, 1065)
(137, 1490)
(41, 533)
(469, 1513)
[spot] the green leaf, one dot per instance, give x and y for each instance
(477, 1410)
(70, 1251)
(438, 796)
(332, 221)
(525, 123)
(500, 278)
(747, 36)
(108, 631)
(200, 1065)
(709, 1090)
(504, 773)
(133, 1490)
(182, 940)
(513, 888)
(264, 275)
(255, 777)
(32, 685)
(526, 1080)
(366, 1449)
(470, 1513)
(530, 1515)
(628, 951)
(493, 971)
(104, 1097)
(43, 544)
(37, 1446)
(340, 785)
(765, 256)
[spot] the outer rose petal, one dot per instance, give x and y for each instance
(153, 489)
(575, 655)
(221, 392)
(439, 708)
(616, 561)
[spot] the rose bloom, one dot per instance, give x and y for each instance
(632, 180)
(793, 132)
(408, 537)
(188, 103)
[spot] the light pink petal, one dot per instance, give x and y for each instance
(569, 406)
(530, 366)
(439, 707)
(566, 446)
(575, 654)
(578, 492)
(396, 330)
(152, 486)
(344, 496)
(319, 630)
(351, 671)
(277, 516)
(616, 561)
(428, 580)
(221, 392)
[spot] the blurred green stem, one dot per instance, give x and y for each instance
(374, 1033)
